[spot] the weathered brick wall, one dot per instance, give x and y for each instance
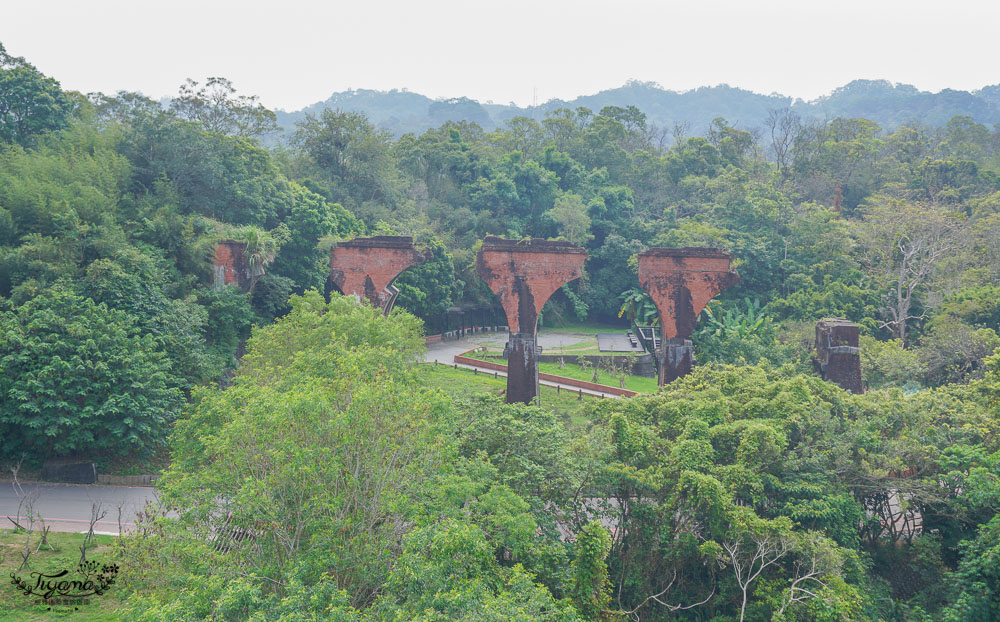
(490, 365)
(229, 265)
(681, 281)
(366, 267)
(524, 274)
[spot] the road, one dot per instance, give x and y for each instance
(67, 507)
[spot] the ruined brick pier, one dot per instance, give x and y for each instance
(523, 275)
(366, 267)
(838, 357)
(229, 266)
(681, 281)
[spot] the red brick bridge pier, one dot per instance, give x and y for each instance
(523, 275)
(366, 267)
(681, 281)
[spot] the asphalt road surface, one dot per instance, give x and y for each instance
(67, 507)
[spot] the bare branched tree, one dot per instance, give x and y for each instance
(658, 138)
(680, 131)
(219, 109)
(751, 555)
(18, 492)
(97, 513)
(784, 125)
(26, 503)
(903, 244)
(816, 561)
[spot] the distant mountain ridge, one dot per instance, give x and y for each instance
(888, 104)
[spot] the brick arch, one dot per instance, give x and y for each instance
(367, 267)
(681, 281)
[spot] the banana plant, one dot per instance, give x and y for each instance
(734, 322)
(639, 307)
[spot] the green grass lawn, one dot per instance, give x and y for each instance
(16, 607)
(464, 383)
(572, 370)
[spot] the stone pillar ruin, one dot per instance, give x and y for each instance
(229, 265)
(681, 281)
(838, 357)
(523, 275)
(366, 267)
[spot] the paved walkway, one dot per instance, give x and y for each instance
(616, 342)
(444, 352)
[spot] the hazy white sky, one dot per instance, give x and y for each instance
(296, 52)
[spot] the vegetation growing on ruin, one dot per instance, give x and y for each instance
(349, 483)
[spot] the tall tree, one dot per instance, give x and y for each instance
(570, 216)
(902, 245)
(220, 110)
(78, 377)
(350, 155)
(30, 102)
(783, 125)
(262, 247)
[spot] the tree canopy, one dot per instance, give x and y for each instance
(314, 474)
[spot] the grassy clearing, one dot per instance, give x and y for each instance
(584, 347)
(569, 353)
(486, 355)
(572, 370)
(65, 555)
(464, 383)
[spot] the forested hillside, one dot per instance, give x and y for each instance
(313, 474)
(690, 112)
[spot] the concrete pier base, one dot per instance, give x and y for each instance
(838, 356)
(676, 357)
(522, 353)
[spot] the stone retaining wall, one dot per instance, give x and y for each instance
(451, 335)
(127, 480)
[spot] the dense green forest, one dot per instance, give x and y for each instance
(299, 431)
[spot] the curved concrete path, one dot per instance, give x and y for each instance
(444, 353)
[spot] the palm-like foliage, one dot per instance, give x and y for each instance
(735, 321)
(639, 307)
(261, 249)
